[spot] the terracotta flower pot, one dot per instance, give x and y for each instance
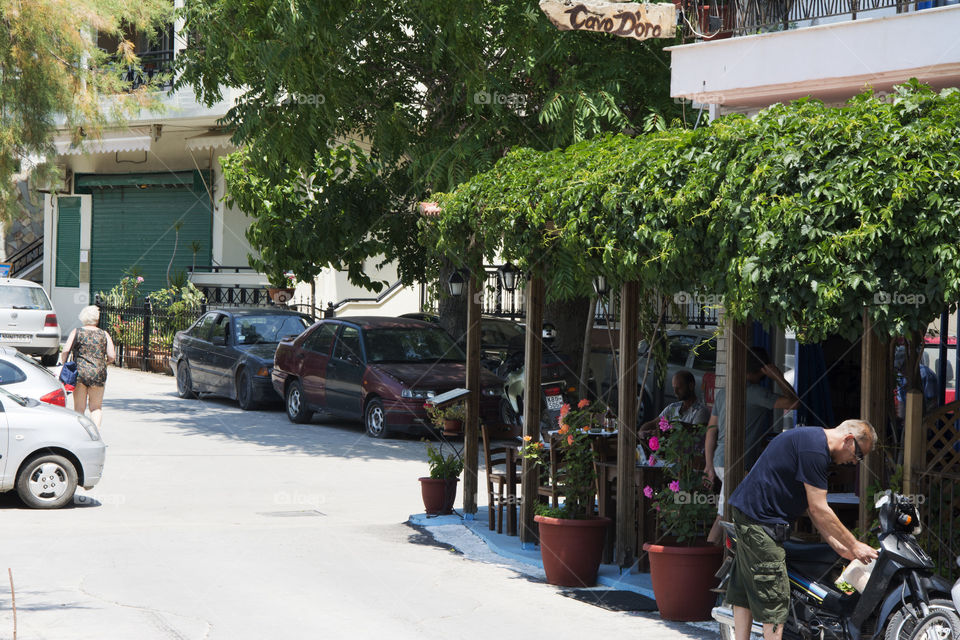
(132, 358)
(682, 580)
(452, 427)
(439, 494)
(280, 296)
(571, 549)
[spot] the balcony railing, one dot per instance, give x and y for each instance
(152, 64)
(717, 19)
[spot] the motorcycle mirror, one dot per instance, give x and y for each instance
(958, 561)
(883, 500)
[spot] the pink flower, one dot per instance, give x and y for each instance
(583, 403)
(652, 461)
(648, 491)
(139, 278)
(664, 424)
(570, 439)
(674, 486)
(654, 443)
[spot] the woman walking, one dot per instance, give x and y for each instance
(93, 350)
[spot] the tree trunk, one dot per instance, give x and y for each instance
(569, 317)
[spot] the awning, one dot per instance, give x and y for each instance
(107, 144)
(86, 181)
(210, 140)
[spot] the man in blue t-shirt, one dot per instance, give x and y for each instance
(789, 478)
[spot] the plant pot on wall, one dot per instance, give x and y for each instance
(452, 427)
(438, 494)
(571, 549)
(280, 296)
(132, 358)
(682, 580)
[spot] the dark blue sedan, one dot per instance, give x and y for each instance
(230, 353)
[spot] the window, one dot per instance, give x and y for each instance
(18, 297)
(218, 333)
(320, 339)
(68, 242)
(10, 374)
(202, 328)
(268, 328)
(412, 345)
(348, 346)
(705, 356)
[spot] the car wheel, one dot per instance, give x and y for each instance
(185, 381)
(50, 360)
(296, 406)
(375, 419)
(245, 390)
(47, 482)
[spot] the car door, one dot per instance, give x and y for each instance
(313, 357)
(195, 346)
(221, 356)
(345, 374)
(5, 483)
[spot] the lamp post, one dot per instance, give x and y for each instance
(600, 286)
(456, 282)
(508, 276)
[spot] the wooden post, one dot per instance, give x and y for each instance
(736, 408)
(913, 449)
(471, 431)
(531, 405)
(875, 393)
(626, 541)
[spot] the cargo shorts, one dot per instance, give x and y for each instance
(759, 578)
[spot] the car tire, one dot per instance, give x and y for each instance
(50, 360)
(245, 390)
(296, 405)
(185, 381)
(47, 482)
(375, 419)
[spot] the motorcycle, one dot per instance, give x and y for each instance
(902, 596)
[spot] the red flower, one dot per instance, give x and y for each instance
(564, 428)
(570, 439)
(564, 410)
(583, 403)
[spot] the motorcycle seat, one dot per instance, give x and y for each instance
(810, 552)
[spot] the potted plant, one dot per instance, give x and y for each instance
(282, 292)
(448, 419)
(439, 489)
(571, 537)
(682, 568)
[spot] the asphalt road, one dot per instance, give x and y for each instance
(212, 522)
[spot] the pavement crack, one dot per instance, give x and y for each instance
(155, 615)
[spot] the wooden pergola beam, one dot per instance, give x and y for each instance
(626, 540)
(735, 419)
(875, 391)
(472, 419)
(530, 477)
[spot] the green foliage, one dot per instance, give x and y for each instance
(805, 215)
(440, 467)
(685, 507)
(50, 67)
(124, 293)
(430, 95)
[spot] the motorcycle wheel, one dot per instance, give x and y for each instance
(508, 415)
(939, 624)
(902, 625)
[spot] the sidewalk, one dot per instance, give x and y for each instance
(477, 542)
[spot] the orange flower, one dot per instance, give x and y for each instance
(583, 403)
(585, 429)
(539, 445)
(564, 410)
(527, 438)
(564, 428)
(570, 439)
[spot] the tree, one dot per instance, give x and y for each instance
(51, 69)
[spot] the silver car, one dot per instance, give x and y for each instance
(47, 451)
(27, 320)
(22, 375)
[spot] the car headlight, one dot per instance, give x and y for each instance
(416, 393)
(491, 391)
(91, 428)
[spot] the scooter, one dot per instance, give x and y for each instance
(901, 595)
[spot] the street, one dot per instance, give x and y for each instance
(212, 522)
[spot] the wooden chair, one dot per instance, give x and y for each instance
(503, 466)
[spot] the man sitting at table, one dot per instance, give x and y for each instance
(688, 407)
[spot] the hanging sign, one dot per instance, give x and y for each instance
(627, 19)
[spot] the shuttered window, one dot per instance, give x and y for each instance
(68, 242)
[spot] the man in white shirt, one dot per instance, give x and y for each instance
(688, 408)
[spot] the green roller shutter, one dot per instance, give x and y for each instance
(134, 229)
(68, 242)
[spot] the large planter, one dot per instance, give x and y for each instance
(452, 427)
(683, 578)
(280, 296)
(439, 494)
(571, 549)
(132, 358)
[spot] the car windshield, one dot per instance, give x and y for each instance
(496, 332)
(15, 297)
(268, 329)
(411, 344)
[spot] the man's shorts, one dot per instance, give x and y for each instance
(759, 579)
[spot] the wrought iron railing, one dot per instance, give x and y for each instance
(155, 66)
(143, 334)
(26, 257)
(716, 19)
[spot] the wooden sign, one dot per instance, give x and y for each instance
(627, 19)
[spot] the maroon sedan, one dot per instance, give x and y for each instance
(380, 370)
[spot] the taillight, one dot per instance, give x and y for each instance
(729, 543)
(57, 397)
(552, 391)
(50, 320)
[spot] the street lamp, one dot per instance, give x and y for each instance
(600, 286)
(508, 276)
(456, 282)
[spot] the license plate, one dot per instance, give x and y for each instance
(15, 337)
(554, 403)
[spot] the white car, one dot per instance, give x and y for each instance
(24, 376)
(46, 451)
(28, 321)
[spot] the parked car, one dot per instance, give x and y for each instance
(378, 370)
(28, 321)
(230, 353)
(22, 375)
(931, 358)
(46, 451)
